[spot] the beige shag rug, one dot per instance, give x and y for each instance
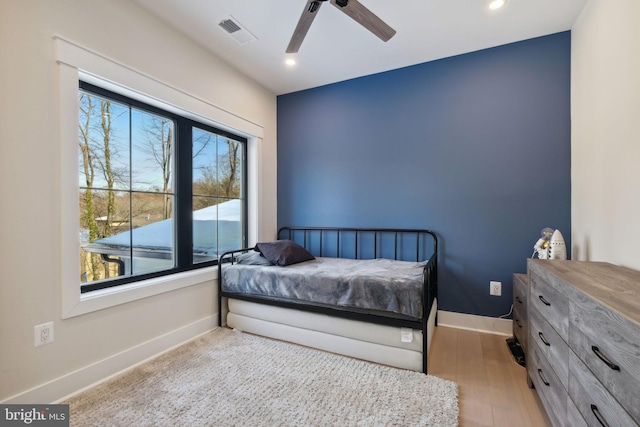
(230, 378)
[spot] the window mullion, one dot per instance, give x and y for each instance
(183, 194)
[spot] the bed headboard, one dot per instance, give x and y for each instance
(365, 243)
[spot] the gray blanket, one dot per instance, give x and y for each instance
(382, 286)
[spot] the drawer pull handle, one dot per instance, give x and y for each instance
(518, 323)
(519, 300)
(544, 340)
(604, 358)
(599, 417)
(542, 378)
(544, 301)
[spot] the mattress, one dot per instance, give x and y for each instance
(377, 286)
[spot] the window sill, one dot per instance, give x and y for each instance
(78, 304)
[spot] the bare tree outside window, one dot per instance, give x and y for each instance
(156, 144)
(217, 163)
(98, 149)
(230, 170)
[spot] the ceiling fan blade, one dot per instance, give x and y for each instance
(358, 12)
(308, 15)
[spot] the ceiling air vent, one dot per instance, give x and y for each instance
(237, 31)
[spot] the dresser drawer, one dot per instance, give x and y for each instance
(552, 394)
(552, 303)
(520, 330)
(549, 343)
(609, 345)
(520, 294)
(597, 406)
(520, 291)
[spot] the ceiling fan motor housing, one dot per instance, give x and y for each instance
(314, 5)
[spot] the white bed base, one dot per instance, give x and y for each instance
(367, 341)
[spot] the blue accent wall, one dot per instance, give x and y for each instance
(475, 147)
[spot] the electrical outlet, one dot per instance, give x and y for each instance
(495, 288)
(43, 334)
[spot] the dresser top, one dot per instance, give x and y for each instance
(614, 286)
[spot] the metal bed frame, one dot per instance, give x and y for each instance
(350, 243)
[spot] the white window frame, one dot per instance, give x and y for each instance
(77, 63)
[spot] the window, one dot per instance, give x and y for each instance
(79, 63)
(160, 193)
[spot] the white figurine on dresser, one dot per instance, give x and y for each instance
(550, 245)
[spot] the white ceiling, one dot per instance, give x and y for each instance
(337, 48)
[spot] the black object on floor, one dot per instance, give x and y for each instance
(516, 351)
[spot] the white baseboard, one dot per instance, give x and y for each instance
(61, 388)
(490, 325)
(74, 382)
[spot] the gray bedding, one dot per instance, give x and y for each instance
(381, 286)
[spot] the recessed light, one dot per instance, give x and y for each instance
(290, 62)
(497, 4)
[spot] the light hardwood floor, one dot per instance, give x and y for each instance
(492, 387)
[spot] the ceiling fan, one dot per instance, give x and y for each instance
(353, 8)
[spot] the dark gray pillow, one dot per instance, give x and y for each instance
(252, 258)
(284, 252)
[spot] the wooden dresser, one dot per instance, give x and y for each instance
(520, 312)
(583, 352)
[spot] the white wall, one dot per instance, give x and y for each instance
(605, 145)
(30, 190)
